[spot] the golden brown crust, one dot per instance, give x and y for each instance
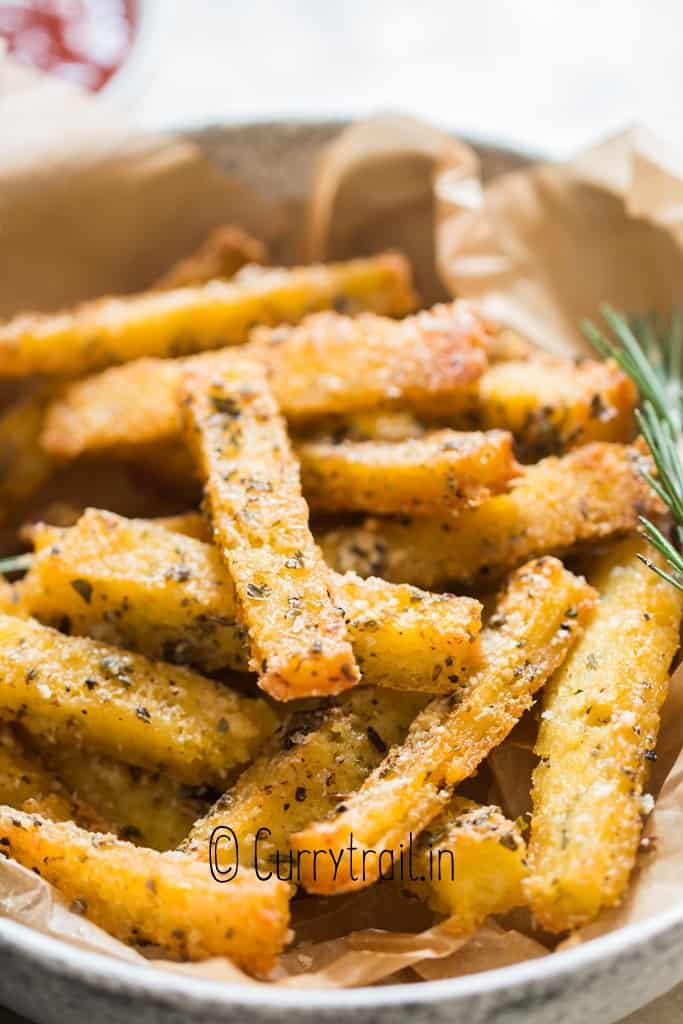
(145, 808)
(468, 864)
(588, 495)
(536, 621)
(315, 760)
(328, 365)
(171, 597)
(26, 782)
(598, 733)
(444, 470)
(297, 635)
(107, 331)
(78, 691)
(144, 897)
(550, 405)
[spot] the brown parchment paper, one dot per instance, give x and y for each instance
(87, 207)
(540, 249)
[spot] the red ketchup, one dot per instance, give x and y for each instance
(84, 41)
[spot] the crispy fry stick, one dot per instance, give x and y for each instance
(150, 590)
(469, 864)
(551, 405)
(170, 597)
(598, 731)
(24, 465)
(297, 636)
(25, 782)
(148, 898)
(591, 493)
(225, 251)
(142, 807)
(314, 761)
(116, 330)
(445, 470)
(339, 364)
(331, 364)
(72, 690)
(536, 621)
(408, 639)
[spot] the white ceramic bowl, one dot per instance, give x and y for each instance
(602, 981)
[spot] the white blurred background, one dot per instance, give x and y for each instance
(547, 74)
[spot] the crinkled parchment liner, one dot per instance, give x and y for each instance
(85, 208)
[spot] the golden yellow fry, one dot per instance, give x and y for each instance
(73, 690)
(408, 639)
(536, 621)
(145, 808)
(296, 634)
(144, 897)
(24, 465)
(25, 782)
(598, 734)
(468, 864)
(315, 760)
(211, 315)
(592, 493)
(225, 251)
(551, 405)
(170, 597)
(150, 590)
(330, 364)
(442, 471)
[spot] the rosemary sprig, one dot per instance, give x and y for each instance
(650, 352)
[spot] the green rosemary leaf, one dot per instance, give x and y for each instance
(650, 352)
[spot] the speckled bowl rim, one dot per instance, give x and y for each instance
(136, 979)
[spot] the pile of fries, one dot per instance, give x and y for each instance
(298, 680)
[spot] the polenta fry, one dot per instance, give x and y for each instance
(539, 616)
(145, 808)
(150, 590)
(145, 897)
(598, 733)
(469, 864)
(184, 320)
(590, 494)
(170, 597)
(225, 251)
(444, 470)
(297, 636)
(73, 690)
(26, 783)
(551, 405)
(331, 364)
(314, 761)
(24, 464)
